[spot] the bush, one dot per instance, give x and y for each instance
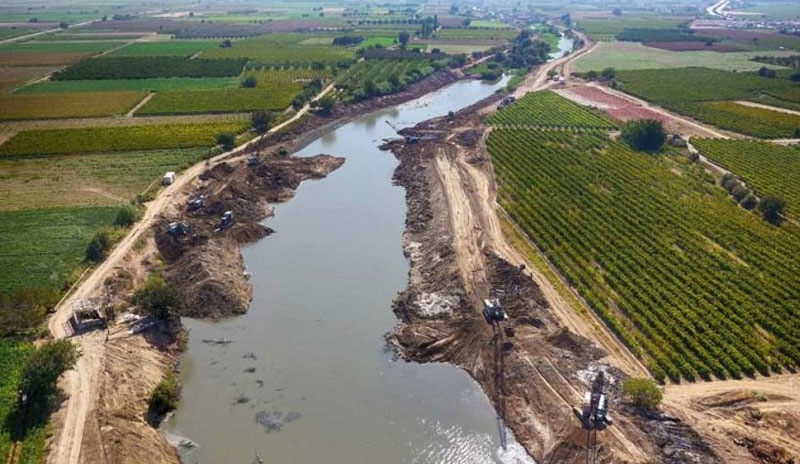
(728, 181)
(739, 192)
(98, 247)
(795, 77)
(641, 392)
(646, 135)
(158, 299)
(772, 208)
(261, 121)
(227, 140)
(165, 396)
(127, 216)
(749, 202)
(250, 82)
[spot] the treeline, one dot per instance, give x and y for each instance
(413, 54)
(147, 67)
(662, 35)
(310, 91)
(348, 40)
(792, 61)
(525, 52)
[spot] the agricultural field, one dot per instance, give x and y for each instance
(168, 48)
(279, 49)
(220, 101)
(40, 58)
(635, 56)
(548, 109)
(755, 40)
(104, 179)
(111, 139)
(757, 122)
(67, 105)
(792, 61)
(691, 282)
(768, 168)
(10, 33)
(477, 34)
(132, 85)
(46, 247)
(13, 356)
(672, 87)
(606, 28)
(374, 77)
(144, 67)
(616, 107)
(11, 76)
(89, 47)
(268, 78)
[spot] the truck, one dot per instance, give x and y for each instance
(168, 178)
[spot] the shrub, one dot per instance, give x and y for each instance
(227, 140)
(250, 82)
(158, 299)
(261, 121)
(127, 215)
(165, 396)
(646, 135)
(43, 370)
(98, 247)
(641, 392)
(749, 202)
(739, 192)
(728, 181)
(772, 208)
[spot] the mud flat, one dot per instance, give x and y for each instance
(535, 377)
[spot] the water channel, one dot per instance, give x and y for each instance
(307, 378)
(565, 46)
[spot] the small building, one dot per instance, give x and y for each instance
(87, 316)
(168, 178)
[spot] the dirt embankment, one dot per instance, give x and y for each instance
(536, 373)
(203, 258)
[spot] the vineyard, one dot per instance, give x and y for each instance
(692, 283)
(46, 247)
(274, 77)
(493, 33)
(109, 139)
(768, 168)
(548, 109)
(220, 101)
(144, 67)
(758, 122)
(282, 49)
(67, 105)
(379, 72)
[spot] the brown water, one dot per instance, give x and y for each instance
(307, 378)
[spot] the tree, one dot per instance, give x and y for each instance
(45, 367)
(767, 72)
(641, 392)
(403, 37)
(159, 300)
(327, 103)
(795, 77)
(250, 82)
(127, 215)
(749, 202)
(261, 121)
(394, 80)
(63, 25)
(645, 135)
(772, 208)
(98, 247)
(226, 43)
(227, 140)
(164, 397)
(617, 11)
(608, 73)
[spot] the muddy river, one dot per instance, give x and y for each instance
(565, 46)
(306, 377)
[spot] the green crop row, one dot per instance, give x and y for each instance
(144, 67)
(694, 285)
(110, 139)
(758, 122)
(220, 101)
(548, 109)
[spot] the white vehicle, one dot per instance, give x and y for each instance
(168, 178)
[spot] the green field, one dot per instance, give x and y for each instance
(475, 34)
(693, 284)
(488, 24)
(757, 122)
(768, 168)
(147, 67)
(13, 356)
(548, 109)
(110, 139)
(86, 180)
(137, 85)
(282, 48)
(630, 56)
(170, 48)
(269, 78)
(220, 101)
(59, 47)
(672, 87)
(46, 247)
(606, 29)
(67, 105)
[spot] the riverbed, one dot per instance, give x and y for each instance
(307, 376)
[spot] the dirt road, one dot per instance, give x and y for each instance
(79, 383)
